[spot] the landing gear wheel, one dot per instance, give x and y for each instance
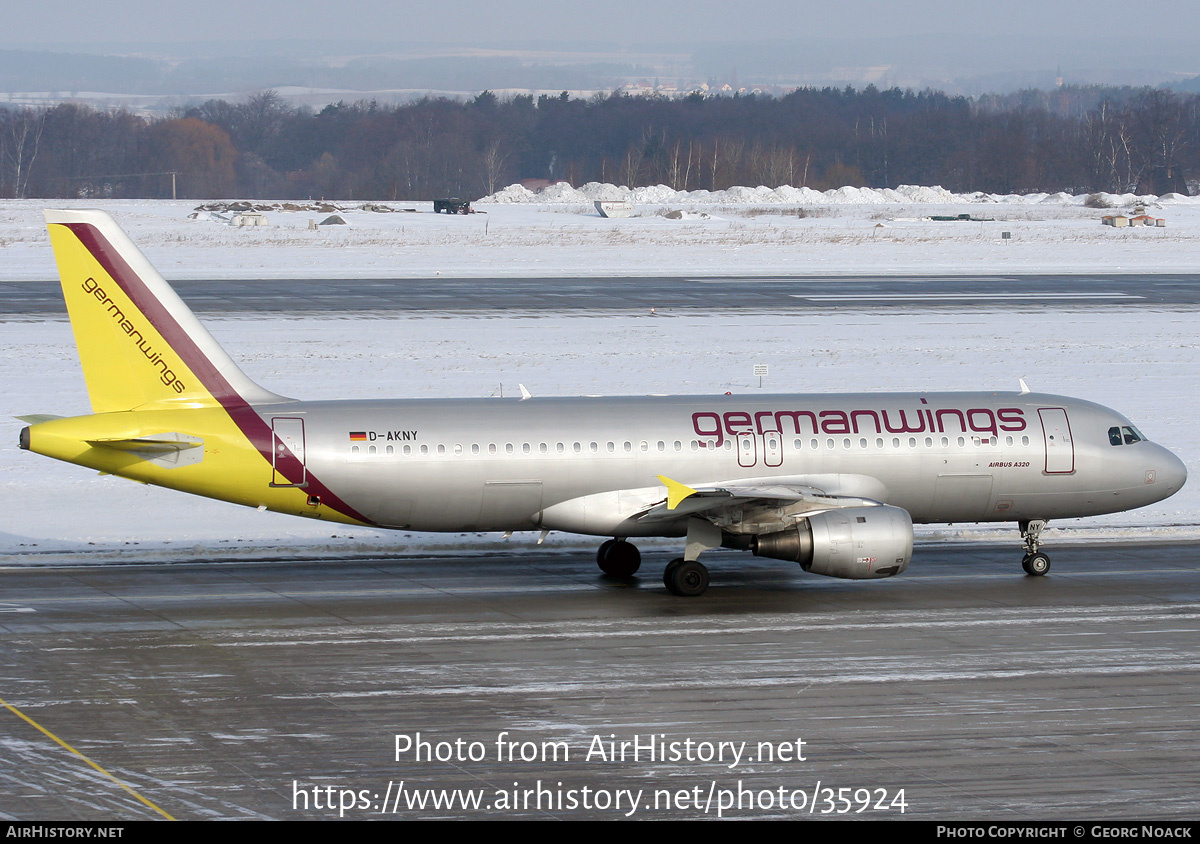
(618, 558)
(686, 578)
(1036, 565)
(669, 575)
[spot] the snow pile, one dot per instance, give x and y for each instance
(511, 194)
(564, 194)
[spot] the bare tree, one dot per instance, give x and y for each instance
(24, 134)
(494, 161)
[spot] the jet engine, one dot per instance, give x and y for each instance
(856, 543)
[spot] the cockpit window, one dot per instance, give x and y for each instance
(1125, 435)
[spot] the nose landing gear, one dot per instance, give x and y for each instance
(1035, 562)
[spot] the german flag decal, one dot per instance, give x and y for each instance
(355, 436)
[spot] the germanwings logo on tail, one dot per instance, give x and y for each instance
(156, 359)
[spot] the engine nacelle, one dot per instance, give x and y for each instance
(855, 543)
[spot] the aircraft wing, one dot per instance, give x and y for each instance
(801, 497)
(742, 505)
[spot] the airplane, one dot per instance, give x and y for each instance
(833, 482)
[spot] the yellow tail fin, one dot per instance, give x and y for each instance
(140, 345)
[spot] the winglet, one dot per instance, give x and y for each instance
(676, 492)
(1024, 386)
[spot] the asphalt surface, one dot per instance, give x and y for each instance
(31, 298)
(234, 689)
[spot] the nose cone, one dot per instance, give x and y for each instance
(1169, 473)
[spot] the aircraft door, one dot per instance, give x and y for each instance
(747, 448)
(288, 466)
(1056, 431)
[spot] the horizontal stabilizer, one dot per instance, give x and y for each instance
(169, 450)
(38, 418)
(157, 442)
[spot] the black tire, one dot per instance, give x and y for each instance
(1036, 565)
(620, 559)
(602, 552)
(669, 575)
(689, 579)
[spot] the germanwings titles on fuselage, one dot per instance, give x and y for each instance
(833, 482)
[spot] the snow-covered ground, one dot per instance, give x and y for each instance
(557, 232)
(1141, 361)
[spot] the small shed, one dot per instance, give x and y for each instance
(1117, 220)
(249, 218)
(1147, 220)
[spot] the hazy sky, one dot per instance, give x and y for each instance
(645, 22)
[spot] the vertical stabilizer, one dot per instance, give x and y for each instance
(140, 345)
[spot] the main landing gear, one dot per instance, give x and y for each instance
(686, 578)
(1035, 562)
(618, 558)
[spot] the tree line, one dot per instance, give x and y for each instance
(1078, 140)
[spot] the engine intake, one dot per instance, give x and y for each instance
(857, 543)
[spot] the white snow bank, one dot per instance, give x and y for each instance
(564, 194)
